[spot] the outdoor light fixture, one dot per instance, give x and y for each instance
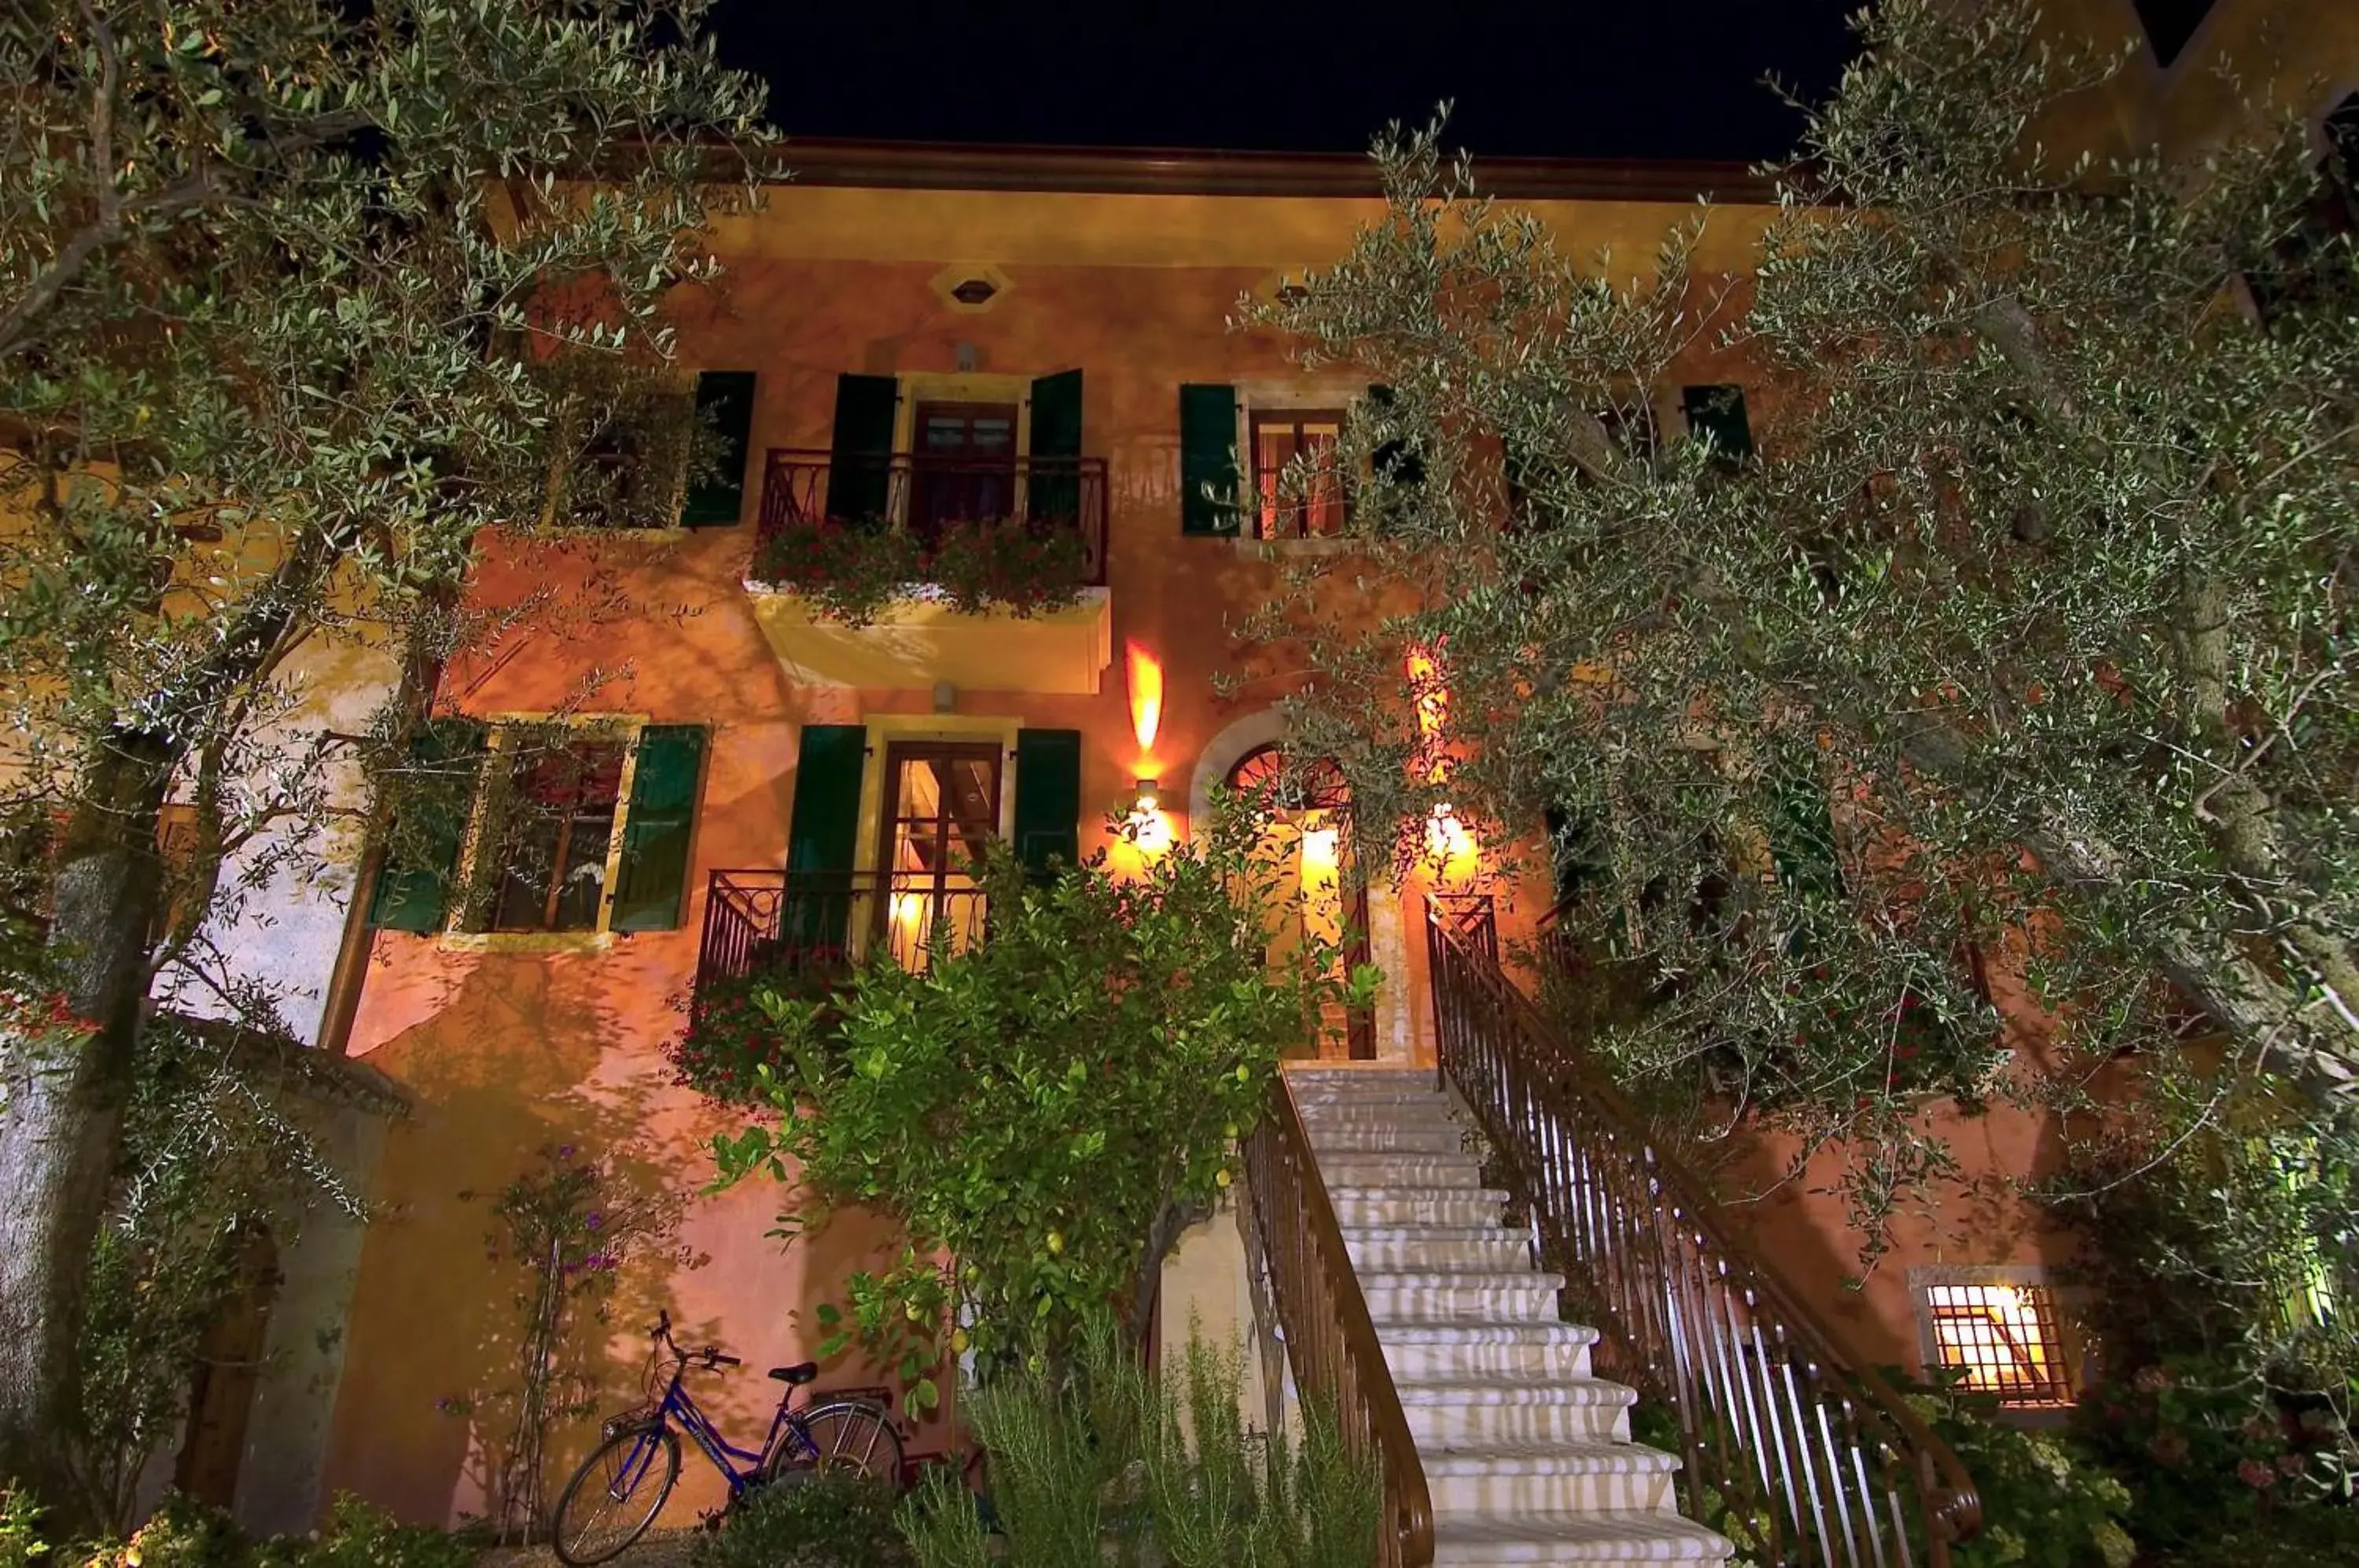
(1147, 826)
(1451, 846)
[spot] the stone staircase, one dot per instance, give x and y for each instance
(1528, 1458)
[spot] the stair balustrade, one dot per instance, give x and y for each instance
(1330, 1342)
(1801, 1456)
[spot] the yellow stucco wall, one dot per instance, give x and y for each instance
(506, 1051)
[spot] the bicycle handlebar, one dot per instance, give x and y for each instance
(710, 1355)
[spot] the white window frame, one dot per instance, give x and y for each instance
(2070, 1362)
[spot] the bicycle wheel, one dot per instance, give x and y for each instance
(615, 1495)
(848, 1437)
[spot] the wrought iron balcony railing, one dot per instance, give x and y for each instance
(782, 922)
(1052, 497)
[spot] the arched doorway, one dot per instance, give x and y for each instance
(1308, 841)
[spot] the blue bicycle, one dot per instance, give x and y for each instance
(622, 1486)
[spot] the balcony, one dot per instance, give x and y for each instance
(820, 511)
(793, 923)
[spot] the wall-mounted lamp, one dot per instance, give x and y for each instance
(1148, 827)
(1451, 847)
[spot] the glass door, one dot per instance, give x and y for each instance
(942, 811)
(963, 466)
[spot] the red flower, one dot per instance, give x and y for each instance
(2256, 1475)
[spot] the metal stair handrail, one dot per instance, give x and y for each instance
(1330, 1340)
(1803, 1456)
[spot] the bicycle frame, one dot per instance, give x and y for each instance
(679, 1406)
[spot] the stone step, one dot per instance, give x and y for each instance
(1369, 1169)
(1484, 1412)
(1478, 1540)
(1443, 1138)
(1356, 1206)
(1464, 1295)
(1555, 1477)
(1449, 1351)
(1437, 1248)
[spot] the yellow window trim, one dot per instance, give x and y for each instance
(625, 728)
(886, 728)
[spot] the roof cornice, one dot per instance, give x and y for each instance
(1180, 171)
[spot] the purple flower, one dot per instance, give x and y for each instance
(593, 1219)
(564, 1151)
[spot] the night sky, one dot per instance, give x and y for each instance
(1572, 78)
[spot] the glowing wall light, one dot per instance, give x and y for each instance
(1451, 847)
(1147, 826)
(1145, 696)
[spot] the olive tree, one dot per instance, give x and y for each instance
(274, 278)
(2019, 629)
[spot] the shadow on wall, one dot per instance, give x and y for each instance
(521, 1055)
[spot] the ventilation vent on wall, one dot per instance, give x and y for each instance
(975, 291)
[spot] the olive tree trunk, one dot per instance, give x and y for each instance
(61, 1119)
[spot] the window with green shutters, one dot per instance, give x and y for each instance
(823, 835)
(429, 804)
(724, 404)
(860, 457)
(1716, 416)
(1208, 460)
(1055, 494)
(651, 882)
(1802, 844)
(1048, 799)
(539, 803)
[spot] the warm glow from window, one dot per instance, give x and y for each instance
(1322, 856)
(1145, 696)
(909, 910)
(1430, 697)
(2002, 1338)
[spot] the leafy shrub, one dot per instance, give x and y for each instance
(360, 1536)
(2046, 1502)
(1093, 1468)
(728, 1038)
(1047, 1107)
(808, 1521)
(1022, 568)
(21, 1545)
(847, 573)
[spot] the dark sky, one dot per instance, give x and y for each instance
(1565, 78)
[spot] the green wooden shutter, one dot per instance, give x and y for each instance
(859, 464)
(422, 861)
(650, 884)
(822, 837)
(725, 399)
(1394, 461)
(1803, 837)
(1055, 494)
(1716, 415)
(1048, 799)
(1208, 460)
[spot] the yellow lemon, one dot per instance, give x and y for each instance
(959, 1342)
(1223, 1178)
(1056, 1243)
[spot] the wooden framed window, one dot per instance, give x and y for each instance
(546, 828)
(1316, 506)
(552, 842)
(1997, 1332)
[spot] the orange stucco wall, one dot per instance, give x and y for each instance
(507, 1051)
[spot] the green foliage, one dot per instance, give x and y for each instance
(21, 1545)
(1112, 1467)
(2205, 1446)
(728, 1039)
(848, 572)
(808, 1521)
(2029, 615)
(853, 573)
(2047, 1502)
(183, 1533)
(566, 1226)
(2217, 1221)
(1020, 568)
(212, 1160)
(1045, 1107)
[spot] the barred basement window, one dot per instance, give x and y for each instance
(1999, 1338)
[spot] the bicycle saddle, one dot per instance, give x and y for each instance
(795, 1377)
